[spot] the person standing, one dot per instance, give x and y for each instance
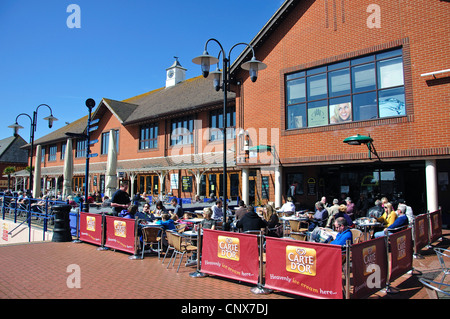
(120, 199)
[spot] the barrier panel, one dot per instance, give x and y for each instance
(304, 268)
(435, 225)
(369, 267)
(421, 232)
(401, 253)
(91, 230)
(120, 233)
(230, 255)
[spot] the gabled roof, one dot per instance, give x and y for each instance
(78, 126)
(121, 110)
(185, 96)
(11, 152)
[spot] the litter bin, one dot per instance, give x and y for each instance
(61, 231)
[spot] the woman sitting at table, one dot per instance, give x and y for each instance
(342, 212)
(160, 209)
(319, 218)
(208, 222)
(389, 216)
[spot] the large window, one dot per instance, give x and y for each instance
(182, 130)
(81, 148)
(363, 88)
(105, 142)
(216, 124)
(148, 137)
(52, 153)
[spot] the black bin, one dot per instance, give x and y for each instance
(61, 231)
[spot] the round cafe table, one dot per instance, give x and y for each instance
(366, 225)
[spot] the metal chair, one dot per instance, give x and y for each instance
(435, 289)
(168, 234)
(152, 235)
(180, 249)
(443, 255)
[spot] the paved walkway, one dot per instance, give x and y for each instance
(40, 271)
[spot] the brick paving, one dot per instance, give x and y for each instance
(39, 271)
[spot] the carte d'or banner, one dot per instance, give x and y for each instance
(230, 255)
(401, 253)
(369, 267)
(91, 228)
(421, 231)
(120, 233)
(435, 225)
(304, 268)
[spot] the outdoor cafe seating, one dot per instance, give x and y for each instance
(152, 235)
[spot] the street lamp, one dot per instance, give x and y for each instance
(221, 80)
(362, 139)
(16, 127)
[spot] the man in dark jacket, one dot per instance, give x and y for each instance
(251, 221)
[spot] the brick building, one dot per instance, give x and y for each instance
(336, 68)
(384, 67)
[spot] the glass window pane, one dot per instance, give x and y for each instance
(317, 87)
(341, 110)
(316, 70)
(338, 65)
(365, 59)
(389, 54)
(365, 106)
(295, 75)
(339, 82)
(363, 78)
(392, 102)
(318, 113)
(390, 73)
(296, 91)
(296, 116)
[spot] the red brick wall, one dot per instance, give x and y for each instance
(321, 32)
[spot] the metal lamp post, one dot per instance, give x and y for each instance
(222, 80)
(33, 120)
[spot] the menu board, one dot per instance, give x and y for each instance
(186, 183)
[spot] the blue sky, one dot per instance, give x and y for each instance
(122, 49)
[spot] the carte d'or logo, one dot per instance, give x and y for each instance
(120, 228)
(301, 260)
(369, 258)
(401, 247)
(421, 227)
(228, 248)
(90, 223)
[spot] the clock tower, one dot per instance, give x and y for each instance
(175, 73)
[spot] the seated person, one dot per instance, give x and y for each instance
(160, 209)
(208, 222)
(389, 216)
(251, 221)
(189, 225)
(344, 233)
(342, 212)
(130, 212)
(146, 214)
(212, 198)
(288, 207)
(178, 209)
(166, 222)
(400, 221)
(376, 211)
(319, 218)
(241, 211)
(217, 210)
